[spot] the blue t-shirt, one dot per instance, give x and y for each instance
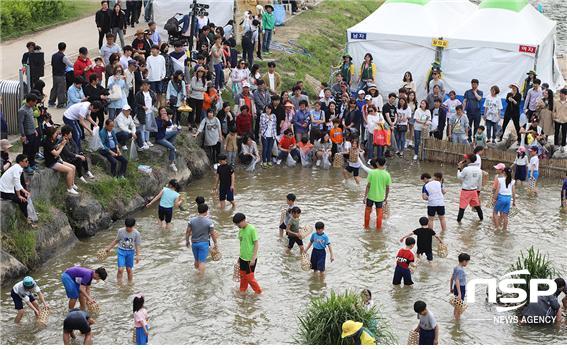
(459, 274)
(320, 241)
(168, 198)
(111, 141)
(473, 105)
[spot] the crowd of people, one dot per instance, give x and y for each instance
(139, 91)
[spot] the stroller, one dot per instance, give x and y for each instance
(174, 28)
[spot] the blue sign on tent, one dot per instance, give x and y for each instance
(358, 36)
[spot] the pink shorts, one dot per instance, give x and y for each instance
(468, 197)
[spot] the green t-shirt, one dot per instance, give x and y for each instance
(294, 225)
(247, 236)
(378, 180)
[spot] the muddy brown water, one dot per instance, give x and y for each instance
(187, 309)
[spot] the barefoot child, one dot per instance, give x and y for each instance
(404, 259)
(459, 281)
(533, 168)
(290, 204)
(351, 150)
(128, 240)
(292, 230)
(225, 182)
(23, 292)
(521, 165)
(200, 230)
(427, 327)
(140, 320)
(424, 239)
(504, 194)
(168, 199)
(320, 241)
(434, 192)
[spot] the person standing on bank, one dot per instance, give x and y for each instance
(472, 105)
(512, 111)
(59, 64)
(269, 26)
(102, 20)
(11, 185)
(28, 134)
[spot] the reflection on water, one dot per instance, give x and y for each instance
(187, 309)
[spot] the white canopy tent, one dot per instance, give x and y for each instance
(498, 45)
(399, 36)
(220, 11)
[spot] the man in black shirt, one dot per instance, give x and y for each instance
(77, 320)
(96, 92)
(102, 20)
(225, 182)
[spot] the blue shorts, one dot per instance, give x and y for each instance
(141, 338)
(535, 174)
(318, 258)
(226, 194)
(463, 292)
(503, 203)
(18, 301)
(200, 251)
(402, 273)
(71, 287)
(125, 258)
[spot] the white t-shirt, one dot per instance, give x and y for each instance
(521, 161)
(478, 161)
(434, 119)
(403, 116)
(534, 163)
(148, 101)
(421, 116)
(451, 105)
(503, 190)
(272, 81)
(373, 120)
(434, 191)
(378, 102)
(77, 111)
(492, 107)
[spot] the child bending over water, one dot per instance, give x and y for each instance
(168, 199)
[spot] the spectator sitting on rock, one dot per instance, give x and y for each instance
(125, 127)
(110, 149)
(5, 158)
(71, 154)
(52, 152)
(11, 187)
(166, 135)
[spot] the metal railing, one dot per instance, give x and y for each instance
(12, 93)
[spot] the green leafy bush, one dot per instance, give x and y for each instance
(539, 266)
(321, 324)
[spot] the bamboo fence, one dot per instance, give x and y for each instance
(451, 153)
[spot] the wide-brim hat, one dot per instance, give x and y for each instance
(270, 6)
(372, 87)
(350, 327)
(515, 85)
(347, 56)
(531, 72)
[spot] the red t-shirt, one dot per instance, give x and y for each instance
(404, 258)
(243, 124)
(287, 142)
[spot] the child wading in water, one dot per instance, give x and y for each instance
(292, 230)
(225, 182)
(128, 240)
(351, 151)
(504, 194)
(424, 239)
(168, 199)
(290, 204)
(521, 165)
(320, 241)
(141, 320)
(459, 281)
(533, 168)
(404, 259)
(427, 327)
(434, 193)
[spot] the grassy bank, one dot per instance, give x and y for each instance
(19, 17)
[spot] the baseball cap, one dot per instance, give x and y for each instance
(126, 107)
(361, 92)
(28, 282)
(368, 97)
(500, 166)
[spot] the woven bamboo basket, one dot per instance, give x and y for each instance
(101, 255)
(413, 338)
(134, 335)
(93, 307)
(43, 316)
(458, 303)
(513, 211)
(531, 185)
(216, 255)
(305, 262)
(484, 178)
(442, 250)
(386, 209)
(353, 155)
(236, 272)
(338, 161)
(305, 231)
(490, 202)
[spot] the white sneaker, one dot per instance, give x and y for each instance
(90, 175)
(146, 147)
(173, 167)
(124, 147)
(82, 178)
(72, 191)
(563, 149)
(279, 161)
(150, 143)
(415, 157)
(318, 163)
(75, 187)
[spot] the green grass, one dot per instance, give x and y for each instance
(35, 20)
(538, 264)
(19, 240)
(321, 323)
(107, 189)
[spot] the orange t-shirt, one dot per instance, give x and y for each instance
(336, 135)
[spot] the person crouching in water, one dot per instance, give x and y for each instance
(360, 334)
(168, 199)
(504, 193)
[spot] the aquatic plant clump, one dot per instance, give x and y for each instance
(538, 264)
(321, 324)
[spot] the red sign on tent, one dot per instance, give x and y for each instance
(527, 49)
